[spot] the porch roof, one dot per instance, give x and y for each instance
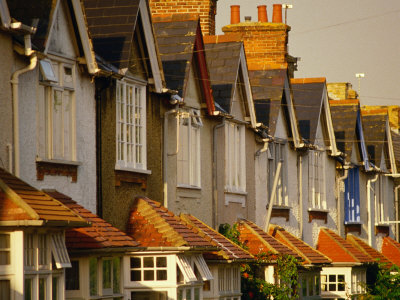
(391, 249)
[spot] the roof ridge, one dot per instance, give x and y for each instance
(249, 226)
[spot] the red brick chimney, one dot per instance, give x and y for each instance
(206, 9)
(265, 43)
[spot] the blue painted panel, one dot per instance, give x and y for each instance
(352, 196)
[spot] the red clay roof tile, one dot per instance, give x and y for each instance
(100, 235)
(309, 254)
(338, 249)
(391, 249)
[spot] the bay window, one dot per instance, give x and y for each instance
(56, 110)
(131, 125)
(188, 159)
(316, 179)
(235, 158)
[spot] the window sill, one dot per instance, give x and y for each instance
(56, 168)
(235, 192)
(317, 214)
(131, 177)
(353, 227)
(189, 187)
(382, 228)
(126, 169)
(113, 296)
(280, 212)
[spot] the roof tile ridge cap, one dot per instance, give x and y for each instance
(17, 199)
(175, 237)
(340, 244)
(272, 249)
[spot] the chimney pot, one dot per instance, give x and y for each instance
(247, 18)
(235, 14)
(262, 13)
(277, 13)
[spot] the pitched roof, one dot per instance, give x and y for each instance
(268, 88)
(100, 235)
(309, 254)
(19, 202)
(223, 61)
(308, 95)
(368, 250)
(259, 241)
(374, 125)
(396, 147)
(180, 41)
(391, 249)
(338, 249)
(229, 250)
(344, 119)
(152, 224)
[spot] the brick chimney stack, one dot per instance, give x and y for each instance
(206, 9)
(265, 43)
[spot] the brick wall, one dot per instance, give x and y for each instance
(206, 9)
(265, 43)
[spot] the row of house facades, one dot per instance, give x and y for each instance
(130, 132)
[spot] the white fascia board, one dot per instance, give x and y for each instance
(390, 146)
(247, 87)
(292, 115)
(83, 32)
(329, 125)
(151, 47)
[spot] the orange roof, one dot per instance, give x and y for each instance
(344, 102)
(307, 80)
(100, 235)
(368, 250)
(153, 225)
(259, 241)
(309, 254)
(21, 202)
(229, 250)
(391, 249)
(338, 249)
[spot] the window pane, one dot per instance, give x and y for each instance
(72, 276)
(5, 289)
(116, 274)
(28, 288)
(332, 278)
(57, 126)
(310, 286)
(148, 262)
(196, 294)
(340, 278)
(340, 286)
(54, 290)
(161, 274)
(149, 275)
(4, 249)
(93, 276)
(161, 262)
(136, 276)
(43, 257)
(317, 284)
(107, 264)
(332, 287)
(304, 287)
(42, 288)
(189, 294)
(136, 262)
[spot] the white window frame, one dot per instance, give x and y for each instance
(358, 280)
(316, 179)
(235, 158)
(188, 158)
(277, 153)
(53, 78)
(131, 144)
(335, 282)
(59, 250)
(312, 284)
(381, 207)
(154, 269)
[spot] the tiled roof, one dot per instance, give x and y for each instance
(176, 37)
(223, 61)
(368, 250)
(374, 125)
(338, 249)
(20, 201)
(344, 118)
(229, 250)
(268, 87)
(152, 224)
(309, 254)
(391, 249)
(308, 94)
(111, 25)
(100, 235)
(259, 241)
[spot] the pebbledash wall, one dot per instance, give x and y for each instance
(206, 9)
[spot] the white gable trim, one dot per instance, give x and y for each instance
(247, 87)
(151, 48)
(329, 125)
(390, 146)
(292, 116)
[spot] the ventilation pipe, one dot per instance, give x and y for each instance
(277, 13)
(262, 13)
(235, 14)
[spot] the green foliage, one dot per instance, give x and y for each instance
(387, 284)
(253, 286)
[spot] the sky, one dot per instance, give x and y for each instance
(337, 39)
